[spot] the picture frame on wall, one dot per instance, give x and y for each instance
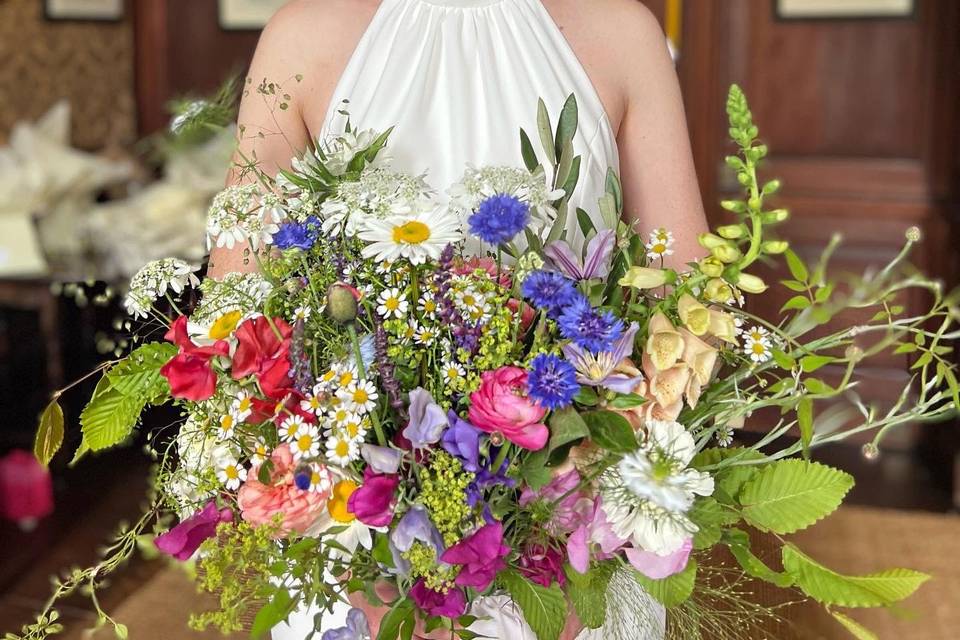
(84, 10)
(844, 9)
(247, 15)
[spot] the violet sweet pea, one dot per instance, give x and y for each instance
(416, 526)
(659, 567)
(481, 555)
(598, 369)
(183, 540)
(596, 264)
(435, 603)
(462, 440)
(373, 502)
(427, 420)
(357, 628)
(383, 460)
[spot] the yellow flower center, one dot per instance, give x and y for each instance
(304, 442)
(342, 449)
(346, 378)
(224, 325)
(759, 349)
(452, 373)
(360, 396)
(659, 248)
(226, 423)
(244, 404)
(392, 304)
(429, 306)
(338, 503)
(352, 429)
(231, 472)
(412, 232)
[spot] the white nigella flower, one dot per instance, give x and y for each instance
(154, 280)
(418, 236)
(243, 214)
(651, 490)
(530, 187)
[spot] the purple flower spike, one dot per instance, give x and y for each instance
(183, 540)
(597, 261)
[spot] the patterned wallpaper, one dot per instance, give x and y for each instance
(89, 63)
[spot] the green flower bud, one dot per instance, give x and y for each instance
(726, 253)
(775, 216)
(755, 203)
(718, 291)
(731, 231)
(751, 283)
(771, 187)
(711, 267)
(775, 247)
(342, 303)
(709, 240)
(645, 278)
(733, 205)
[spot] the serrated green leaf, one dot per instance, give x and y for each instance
(611, 431)
(672, 591)
(49, 433)
(530, 159)
(739, 544)
(109, 418)
(139, 373)
(790, 495)
(588, 593)
(856, 629)
(545, 129)
(809, 364)
(391, 624)
(534, 470)
(829, 587)
(545, 610)
(805, 423)
(710, 517)
(797, 268)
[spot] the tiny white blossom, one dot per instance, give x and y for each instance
(392, 304)
(307, 443)
(154, 280)
(231, 474)
(361, 396)
(291, 427)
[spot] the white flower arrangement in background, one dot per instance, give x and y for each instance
(155, 280)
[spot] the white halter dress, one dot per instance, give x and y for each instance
(458, 79)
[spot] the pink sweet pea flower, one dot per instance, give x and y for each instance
(481, 555)
(501, 405)
(659, 567)
(373, 503)
(453, 604)
(183, 540)
(596, 530)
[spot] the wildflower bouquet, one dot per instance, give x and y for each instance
(518, 440)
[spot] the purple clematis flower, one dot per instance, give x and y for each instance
(462, 440)
(481, 556)
(357, 628)
(427, 420)
(183, 540)
(598, 369)
(383, 460)
(597, 261)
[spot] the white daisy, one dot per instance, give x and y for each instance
(242, 406)
(452, 372)
(314, 401)
(360, 396)
(226, 426)
(355, 429)
(757, 350)
(291, 428)
(428, 305)
(260, 452)
(341, 415)
(661, 235)
(416, 237)
(301, 313)
(307, 443)
(347, 374)
(658, 249)
(341, 450)
(231, 474)
(425, 336)
(392, 304)
(326, 381)
(321, 480)
(758, 334)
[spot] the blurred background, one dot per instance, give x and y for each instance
(857, 99)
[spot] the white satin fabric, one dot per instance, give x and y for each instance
(458, 79)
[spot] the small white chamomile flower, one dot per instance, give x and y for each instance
(242, 406)
(307, 444)
(360, 396)
(260, 452)
(392, 304)
(301, 313)
(231, 474)
(226, 426)
(341, 451)
(758, 350)
(291, 427)
(452, 372)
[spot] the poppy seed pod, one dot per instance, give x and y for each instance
(342, 302)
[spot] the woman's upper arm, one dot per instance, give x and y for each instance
(659, 179)
(271, 128)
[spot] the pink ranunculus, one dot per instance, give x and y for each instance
(659, 567)
(183, 540)
(260, 503)
(543, 565)
(452, 604)
(374, 502)
(501, 405)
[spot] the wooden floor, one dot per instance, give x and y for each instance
(154, 599)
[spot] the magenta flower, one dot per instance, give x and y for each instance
(659, 567)
(452, 604)
(543, 565)
(597, 261)
(183, 540)
(481, 555)
(373, 502)
(596, 530)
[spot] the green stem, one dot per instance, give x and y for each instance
(358, 356)
(501, 456)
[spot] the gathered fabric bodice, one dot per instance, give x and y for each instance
(459, 78)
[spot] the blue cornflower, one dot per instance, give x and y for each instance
(549, 290)
(297, 235)
(588, 328)
(552, 381)
(499, 218)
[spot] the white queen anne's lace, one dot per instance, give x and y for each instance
(379, 194)
(154, 280)
(243, 213)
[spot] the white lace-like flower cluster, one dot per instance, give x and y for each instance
(201, 452)
(243, 292)
(531, 187)
(244, 214)
(153, 282)
(378, 195)
(336, 152)
(650, 492)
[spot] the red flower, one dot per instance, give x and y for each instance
(261, 352)
(526, 312)
(190, 375)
